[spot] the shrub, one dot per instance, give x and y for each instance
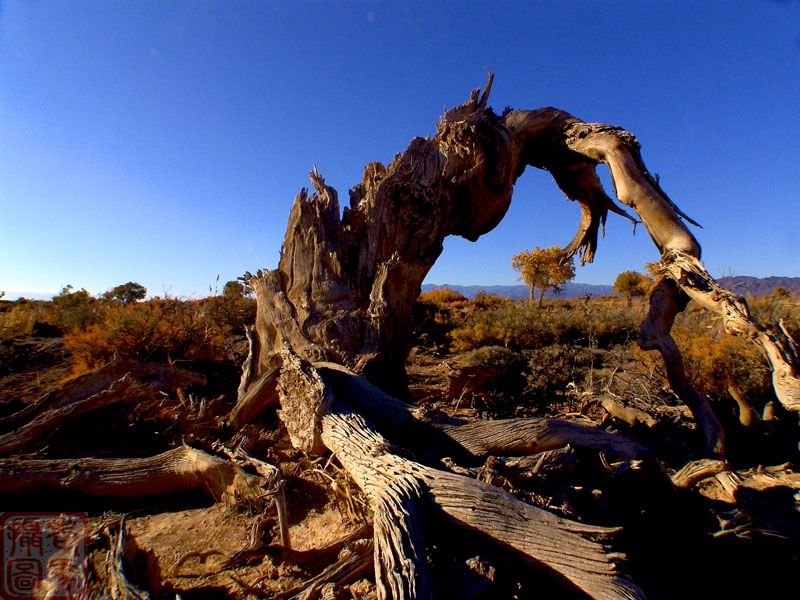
(74, 309)
(155, 330)
(232, 311)
(521, 325)
(442, 297)
(20, 317)
(552, 368)
(494, 373)
(714, 362)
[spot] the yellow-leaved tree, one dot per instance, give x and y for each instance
(632, 283)
(544, 268)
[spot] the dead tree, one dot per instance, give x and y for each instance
(332, 329)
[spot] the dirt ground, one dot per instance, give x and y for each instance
(188, 545)
(181, 544)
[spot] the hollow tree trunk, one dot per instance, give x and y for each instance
(345, 285)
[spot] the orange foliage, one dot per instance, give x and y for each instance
(441, 297)
(156, 330)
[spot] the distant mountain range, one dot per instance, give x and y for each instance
(519, 292)
(742, 285)
(759, 286)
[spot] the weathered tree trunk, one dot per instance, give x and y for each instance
(343, 293)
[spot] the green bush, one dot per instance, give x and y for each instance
(76, 309)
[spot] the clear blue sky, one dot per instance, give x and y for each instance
(164, 141)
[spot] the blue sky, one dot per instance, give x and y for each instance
(164, 141)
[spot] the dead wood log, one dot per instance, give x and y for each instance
(397, 487)
(255, 399)
(345, 285)
(626, 414)
(126, 388)
(354, 562)
(665, 303)
(697, 470)
(179, 469)
(399, 421)
(779, 348)
(152, 375)
(747, 415)
(119, 585)
(533, 435)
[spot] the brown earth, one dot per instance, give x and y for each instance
(186, 544)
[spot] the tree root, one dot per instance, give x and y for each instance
(175, 470)
(126, 388)
(398, 488)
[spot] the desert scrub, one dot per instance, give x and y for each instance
(714, 361)
(550, 370)
(18, 318)
(493, 373)
(438, 312)
(74, 309)
(160, 330)
(523, 324)
(775, 309)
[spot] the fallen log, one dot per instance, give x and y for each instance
(151, 375)
(398, 488)
(124, 389)
(697, 470)
(175, 470)
(533, 435)
(627, 414)
(399, 421)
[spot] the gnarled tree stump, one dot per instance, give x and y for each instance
(343, 293)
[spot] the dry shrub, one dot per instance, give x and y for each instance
(551, 369)
(776, 309)
(66, 311)
(713, 359)
(442, 297)
(522, 324)
(714, 362)
(156, 330)
(18, 318)
(495, 374)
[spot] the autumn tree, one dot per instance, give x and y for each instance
(233, 289)
(544, 268)
(632, 283)
(654, 269)
(127, 293)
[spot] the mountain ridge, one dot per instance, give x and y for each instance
(744, 285)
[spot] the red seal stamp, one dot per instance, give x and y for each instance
(43, 549)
